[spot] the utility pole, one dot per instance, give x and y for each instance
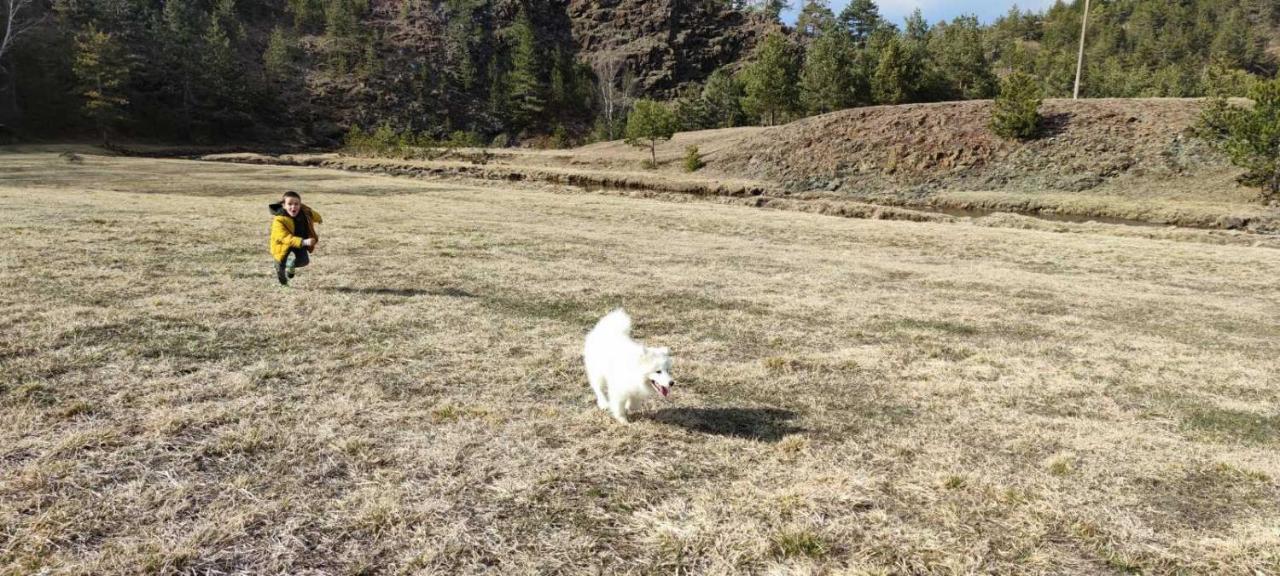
(1084, 24)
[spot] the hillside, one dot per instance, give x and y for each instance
(927, 147)
(1106, 160)
(1116, 158)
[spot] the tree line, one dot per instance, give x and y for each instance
(508, 70)
(1134, 48)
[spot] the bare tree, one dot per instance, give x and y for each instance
(16, 18)
(16, 23)
(614, 87)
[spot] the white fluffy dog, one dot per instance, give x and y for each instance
(626, 369)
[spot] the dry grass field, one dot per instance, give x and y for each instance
(855, 397)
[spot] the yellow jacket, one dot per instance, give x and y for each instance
(284, 237)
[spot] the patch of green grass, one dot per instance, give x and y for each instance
(947, 352)
(160, 336)
(944, 326)
(1228, 471)
(242, 440)
(446, 413)
(76, 408)
(88, 440)
(954, 482)
(800, 543)
(561, 310)
(1062, 464)
(778, 365)
(1102, 544)
(1204, 496)
(1224, 424)
(34, 393)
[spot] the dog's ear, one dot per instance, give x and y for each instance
(655, 355)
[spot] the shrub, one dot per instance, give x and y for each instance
(384, 138)
(355, 141)
(1016, 113)
(1249, 136)
(692, 159)
(560, 137)
(463, 139)
(425, 140)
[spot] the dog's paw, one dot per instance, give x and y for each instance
(601, 404)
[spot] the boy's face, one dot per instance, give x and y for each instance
(292, 205)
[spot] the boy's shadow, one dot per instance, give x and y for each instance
(760, 424)
(403, 292)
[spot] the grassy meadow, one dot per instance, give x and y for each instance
(855, 397)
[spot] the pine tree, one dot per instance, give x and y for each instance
(692, 111)
(1233, 44)
(897, 74)
(1016, 111)
(771, 81)
(723, 95)
(527, 98)
(224, 12)
(917, 29)
(561, 84)
(861, 18)
(308, 15)
(342, 17)
(463, 36)
(815, 17)
(1250, 137)
(830, 79)
(279, 56)
(959, 54)
(103, 72)
(774, 8)
(649, 123)
(181, 22)
(218, 60)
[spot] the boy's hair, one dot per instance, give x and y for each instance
(291, 194)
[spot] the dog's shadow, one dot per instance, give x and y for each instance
(760, 424)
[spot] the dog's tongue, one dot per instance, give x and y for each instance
(664, 391)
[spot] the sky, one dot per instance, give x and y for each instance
(935, 10)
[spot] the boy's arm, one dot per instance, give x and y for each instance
(315, 216)
(281, 235)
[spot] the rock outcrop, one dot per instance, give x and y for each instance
(665, 44)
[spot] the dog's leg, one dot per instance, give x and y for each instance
(619, 409)
(597, 386)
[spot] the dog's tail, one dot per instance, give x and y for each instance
(616, 322)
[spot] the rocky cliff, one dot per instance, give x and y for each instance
(432, 66)
(665, 44)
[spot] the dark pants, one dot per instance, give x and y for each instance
(300, 257)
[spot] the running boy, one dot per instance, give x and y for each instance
(293, 234)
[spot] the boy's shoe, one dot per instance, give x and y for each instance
(281, 274)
